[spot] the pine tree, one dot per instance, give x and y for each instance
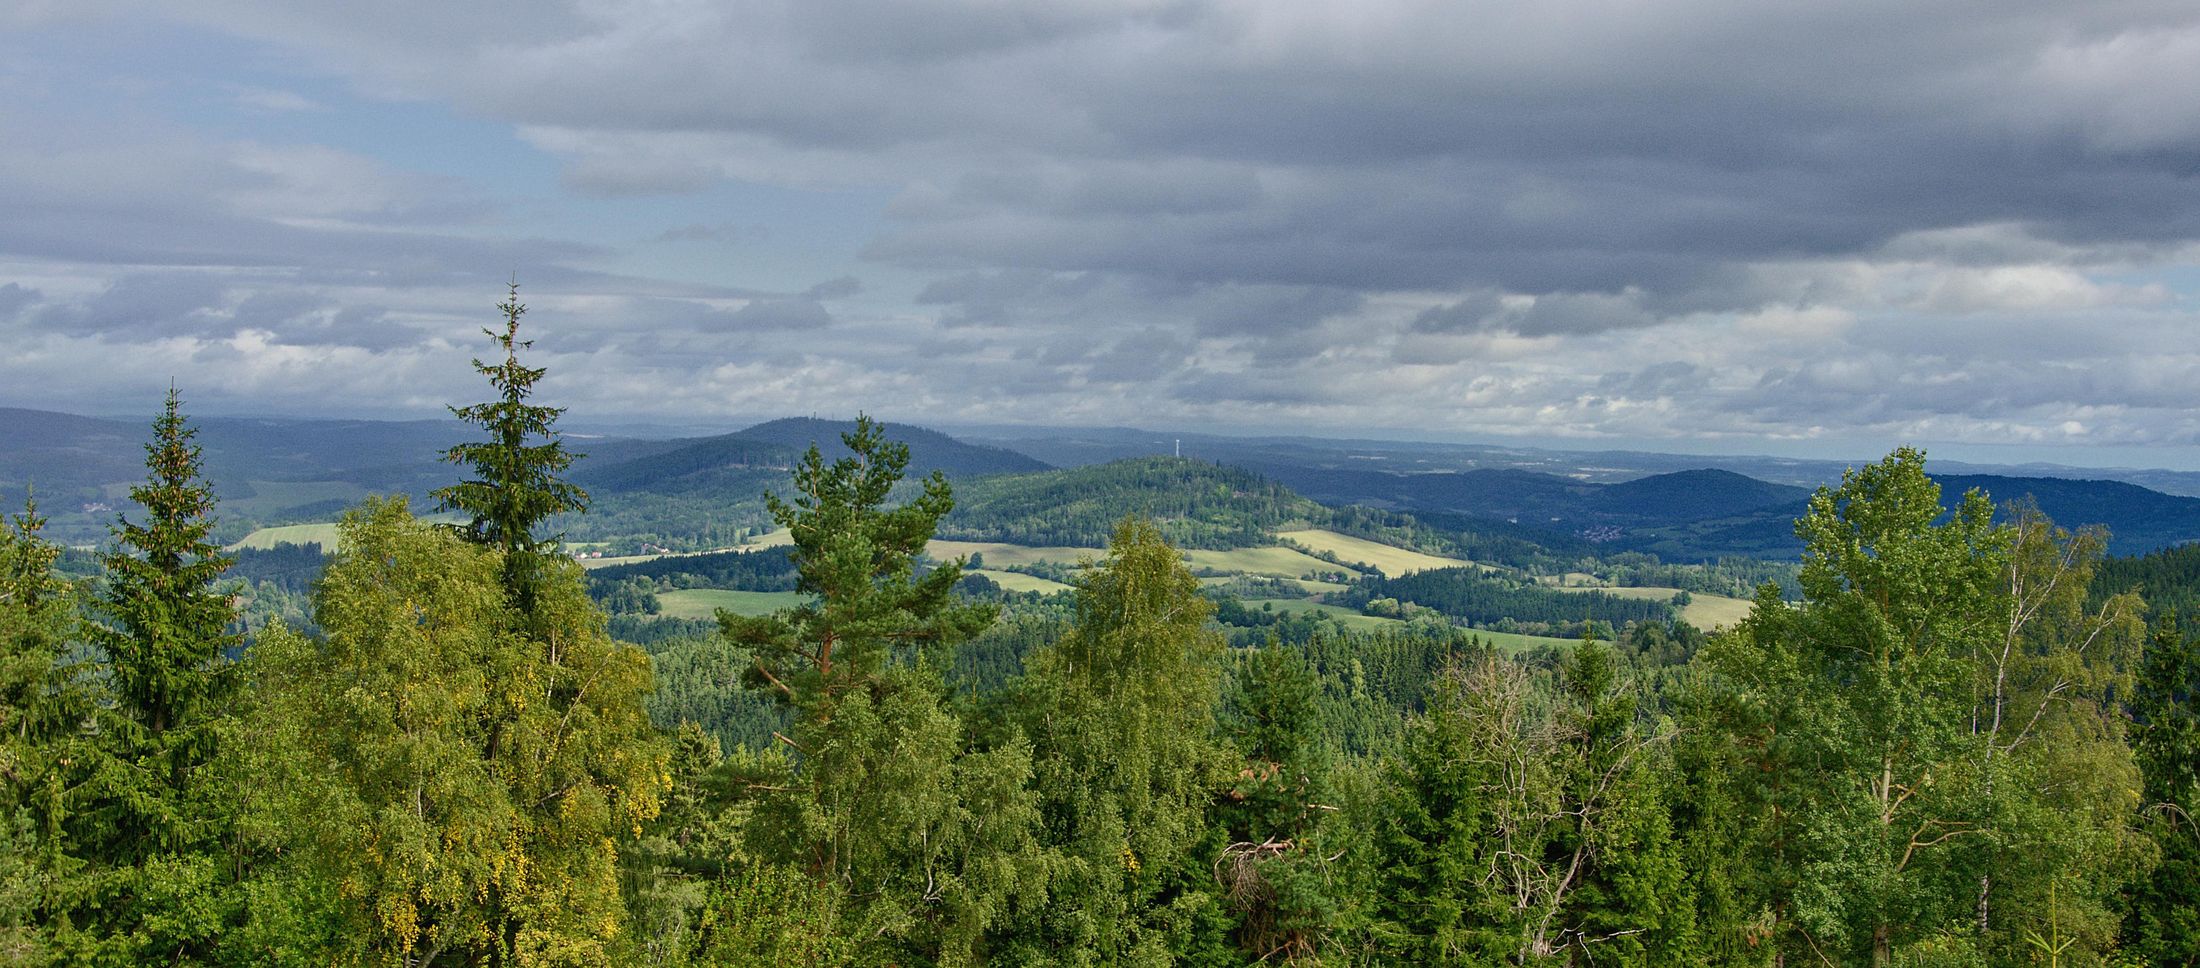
(1277, 870)
(858, 556)
(925, 835)
(515, 487)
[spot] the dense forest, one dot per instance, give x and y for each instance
(1949, 744)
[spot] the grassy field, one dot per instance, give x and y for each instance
(1714, 611)
(1706, 612)
(769, 539)
(1347, 617)
(997, 553)
(1017, 581)
(265, 538)
(1391, 561)
(705, 602)
(594, 563)
(1273, 560)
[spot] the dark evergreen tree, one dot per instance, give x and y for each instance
(1278, 870)
(42, 708)
(167, 638)
(923, 840)
(2164, 922)
(154, 823)
(516, 484)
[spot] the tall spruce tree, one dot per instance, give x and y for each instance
(151, 820)
(167, 639)
(515, 487)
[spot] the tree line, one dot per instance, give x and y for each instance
(1943, 753)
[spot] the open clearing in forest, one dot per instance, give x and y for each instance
(705, 602)
(769, 539)
(997, 553)
(1275, 560)
(1703, 611)
(1017, 581)
(1347, 617)
(1306, 585)
(1390, 560)
(298, 534)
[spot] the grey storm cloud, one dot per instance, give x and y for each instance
(1782, 214)
(145, 306)
(1657, 380)
(797, 314)
(15, 296)
(838, 287)
(1549, 314)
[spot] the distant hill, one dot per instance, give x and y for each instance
(929, 450)
(1693, 496)
(263, 470)
(2138, 519)
(1197, 504)
(746, 461)
(66, 457)
(690, 466)
(1703, 514)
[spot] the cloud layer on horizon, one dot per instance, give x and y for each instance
(1701, 219)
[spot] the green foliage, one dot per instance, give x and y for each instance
(1529, 824)
(42, 704)
(147, 812)
(762, 570)
(858, 557)
(925, 838)
(1120, 713)
(1280, 869)
(459, 782)
(2164, 920)
(516, 484)
(2169, 579)
(1930, 739)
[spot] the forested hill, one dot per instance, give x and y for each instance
(2138, 519)
(929, 450)
(70, 458)
(1531, 497)
(2168, 579)
(1197, 505)
(1694, 496)
(709, 463)
(1704, 514)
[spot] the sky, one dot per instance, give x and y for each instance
(1695, 225)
